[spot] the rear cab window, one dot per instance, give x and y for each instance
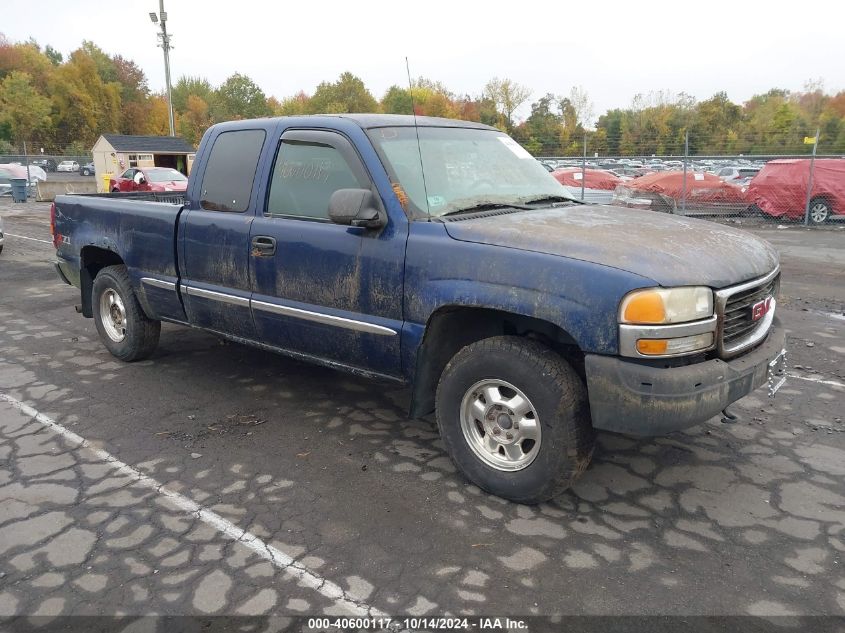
(230, 171)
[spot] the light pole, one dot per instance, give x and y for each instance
(165, 45)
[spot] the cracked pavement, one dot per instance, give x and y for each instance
(362, 505)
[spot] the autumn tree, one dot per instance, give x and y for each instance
(298, 104)
(194, 120)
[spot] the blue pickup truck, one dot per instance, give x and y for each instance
(438, 254)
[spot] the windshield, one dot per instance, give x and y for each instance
(464, 168)
(164, 175)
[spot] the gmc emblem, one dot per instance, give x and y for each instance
(761, 308)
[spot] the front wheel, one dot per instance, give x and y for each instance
(820, 211)
(121, 323)
(513, 417)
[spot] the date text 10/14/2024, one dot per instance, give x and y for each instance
(416, 624)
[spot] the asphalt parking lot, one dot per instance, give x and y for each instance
(218, 479)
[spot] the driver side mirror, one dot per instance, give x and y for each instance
(356, 207)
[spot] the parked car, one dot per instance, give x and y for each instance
(737, 175)
(149, 179)
(780, 189)
(68, 165)
(598, 184)
(525, 319)
(47, 164)
(16, 170)
(87, 169)
(703, 194)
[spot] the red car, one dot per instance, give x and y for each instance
(780, 189)
(149, 179)
(706, 194)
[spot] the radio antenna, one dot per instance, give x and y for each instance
(417, 130)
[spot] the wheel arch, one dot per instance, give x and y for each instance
(826, 197)
(92, 259)
(451, 328)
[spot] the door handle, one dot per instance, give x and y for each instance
(263, 246)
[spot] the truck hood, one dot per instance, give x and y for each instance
(671, 250)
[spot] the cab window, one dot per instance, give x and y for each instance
(230, 171)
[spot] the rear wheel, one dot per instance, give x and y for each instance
(121, 323)
(820, 211)
(513, 416)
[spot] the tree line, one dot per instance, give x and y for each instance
(64, 104)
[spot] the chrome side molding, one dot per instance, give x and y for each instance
(275, 308)
(327, 319)
(158, 283)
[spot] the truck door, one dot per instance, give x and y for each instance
(214, 245)
(321, 289)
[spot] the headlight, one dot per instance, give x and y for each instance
(662, 322)
(663, 306)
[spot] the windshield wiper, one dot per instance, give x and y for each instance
(486, 206)
(551, 199)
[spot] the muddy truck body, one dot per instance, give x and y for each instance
(438, 254)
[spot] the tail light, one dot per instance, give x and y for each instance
(57, 237)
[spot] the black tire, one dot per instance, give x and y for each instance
(555, 392)
(820, 211)
(140, 334)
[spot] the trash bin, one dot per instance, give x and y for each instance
(18, 189)
(107, 182)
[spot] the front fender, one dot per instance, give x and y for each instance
(579, 297)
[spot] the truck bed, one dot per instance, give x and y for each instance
(140, 228)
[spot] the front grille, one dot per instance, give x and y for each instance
(738, 328)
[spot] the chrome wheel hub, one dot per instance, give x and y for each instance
(113, 315)
(500, 425)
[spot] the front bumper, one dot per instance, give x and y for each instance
(629, 397)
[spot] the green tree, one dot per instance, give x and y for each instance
(347, 94)
(53, 55)
(544, 126)
(186, 86)
(397, 101)
(21, 107)
(239, 97)
(507, 95)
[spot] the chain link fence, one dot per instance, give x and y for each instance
(66, 166)
(793, 188)
(784, 188)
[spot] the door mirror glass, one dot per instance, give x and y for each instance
(355, 207)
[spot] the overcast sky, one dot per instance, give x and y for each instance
(613, 49)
